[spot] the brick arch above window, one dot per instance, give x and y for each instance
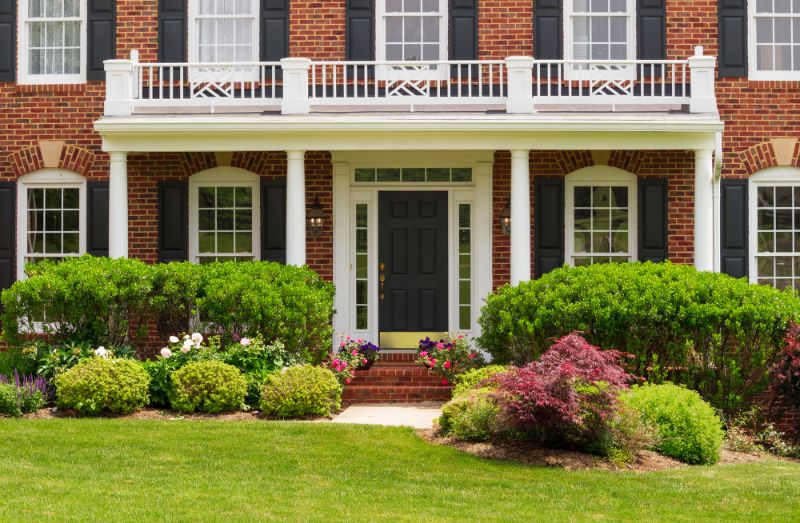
(772, 153)
(51, 155)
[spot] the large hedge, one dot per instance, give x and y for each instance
(109, 302)
(711, 332)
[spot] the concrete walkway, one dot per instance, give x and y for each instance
(416, 415)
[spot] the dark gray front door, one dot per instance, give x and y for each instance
(412, 258)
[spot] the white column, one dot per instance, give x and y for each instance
(118, 205)
(520, 218)
(703, 211)
(295, 208)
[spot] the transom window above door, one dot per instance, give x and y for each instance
(774, 38)
(52, 41)
(223, 30)
(412, 30)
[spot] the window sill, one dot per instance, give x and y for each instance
(50, 88)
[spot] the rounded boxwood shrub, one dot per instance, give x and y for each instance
(207, 386)
(8, 400)
(97, 385)
(304, 390)
(716, 334)
(472, 416)
(687, 427)
(474, 379)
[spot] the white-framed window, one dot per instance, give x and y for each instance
(224, 215)
(599, 30)
(52, 41)
(411, 30)
(51, 214)
(774, 39)
(223, 31)
(774, 212)
(600, 215)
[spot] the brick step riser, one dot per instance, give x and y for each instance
(383, 398)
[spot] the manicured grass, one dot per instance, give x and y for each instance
(127, 470)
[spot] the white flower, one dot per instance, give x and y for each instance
(173, 339)
(245, 341)
(166, 353)
(187, 346)
(102, 352)
(197, 338)
(185, 336)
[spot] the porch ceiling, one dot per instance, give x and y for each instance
(417, 131)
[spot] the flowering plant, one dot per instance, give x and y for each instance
(448, 357)
(352, 353)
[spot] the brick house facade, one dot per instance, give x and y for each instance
(54, 119)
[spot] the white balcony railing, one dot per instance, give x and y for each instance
(300, 86)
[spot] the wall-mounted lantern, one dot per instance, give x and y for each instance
(316, 219)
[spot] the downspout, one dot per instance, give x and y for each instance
(717, 176)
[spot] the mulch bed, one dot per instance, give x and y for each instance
(529, 453)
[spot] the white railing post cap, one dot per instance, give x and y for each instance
(519, 61)
(117, 65)
(295, 64)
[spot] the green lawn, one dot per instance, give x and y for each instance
(125, 470)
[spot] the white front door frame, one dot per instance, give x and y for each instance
(347, 193)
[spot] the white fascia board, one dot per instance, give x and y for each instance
(162, 134)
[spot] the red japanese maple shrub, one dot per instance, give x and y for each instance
(787, 370)
(568, 396)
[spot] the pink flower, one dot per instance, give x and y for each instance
(245, 342)
(444, 381)
(363, 361)
(447, 365)
(342, 344)
(347, 381)
(354, 352)
(423, 353)
(347, 338)
(472, 355)
(166, 353)
(440, 345)
(433, 362)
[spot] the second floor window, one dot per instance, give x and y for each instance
(223, 30)
(52, 41)
(412, 30)
(774, 39)
(599, 29)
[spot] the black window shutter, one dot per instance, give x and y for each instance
(273, 221)
(102, 36)
(360, 30)
(733, 207)
(274, 30)
(548, 224)
(547, 16)
(8, 40)
(653, 203)
(173, 221)
(732, 38)
(463, 30)
(651, 29)
(8, 214)
(171, 31)
(97, 213)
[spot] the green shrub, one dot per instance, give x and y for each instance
(98, 385)
(716, 334)
(627, 433)
(98, 301)
(8, 400)
(687, 427)
(299, 391)
(207, 386)
(474, 378)
(16, 359)
(277, 302)
(472, 416)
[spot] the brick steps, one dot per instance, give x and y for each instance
(398, 381)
